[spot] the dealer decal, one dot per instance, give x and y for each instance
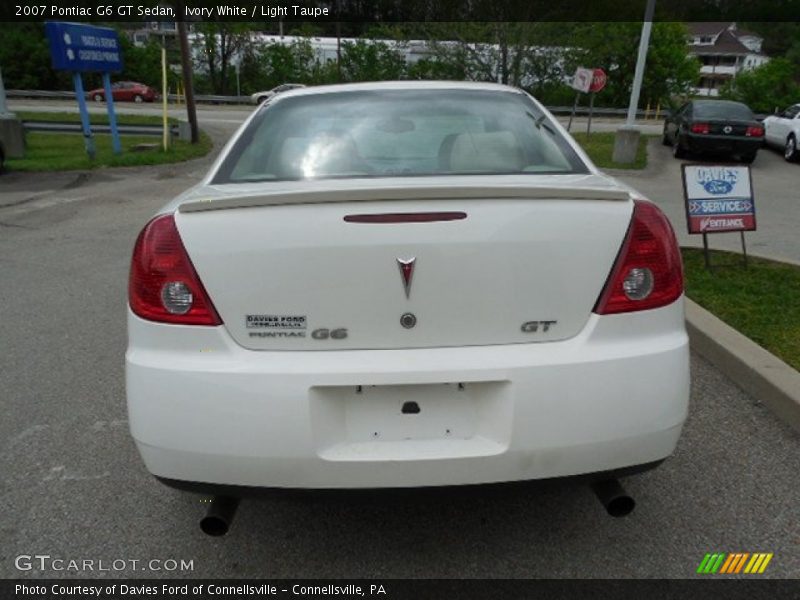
(293, 322)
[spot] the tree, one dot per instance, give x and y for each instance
(141, 63)
(772, 85)
(370, 60)
(220, 45)
(25, 58)
(669, 70)
(265, 67)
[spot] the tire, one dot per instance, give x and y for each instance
(790, 151)
(138, 99)
(2, 160)
(97, 97)
(749, 158)
(677, 151)
(665, 137)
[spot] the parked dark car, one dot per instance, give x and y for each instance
(714, 127)
(130, 91)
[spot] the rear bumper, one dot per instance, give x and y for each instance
(722, 144)
(204, 410)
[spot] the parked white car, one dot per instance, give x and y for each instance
(783, 131)
(259, 97)
(406, 284)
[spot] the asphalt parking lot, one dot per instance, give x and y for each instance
(73, 486)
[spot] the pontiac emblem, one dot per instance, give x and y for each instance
(406, 272)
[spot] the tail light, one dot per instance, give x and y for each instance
(700, 128)
(163, 284)
(648, 272)
(754, 132)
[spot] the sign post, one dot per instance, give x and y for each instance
(88, 138)
(581, 82)
(112, 115)
(719, 199)
(83, 49)
(599, 80)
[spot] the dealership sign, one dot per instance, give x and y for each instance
(719, 198)
(77, 47)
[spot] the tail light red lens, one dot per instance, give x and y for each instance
(754, 132)
(700, 128)
(648, 272)
(163, 284)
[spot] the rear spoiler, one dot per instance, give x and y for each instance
(402, 193)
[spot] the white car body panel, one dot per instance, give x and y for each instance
(778, 128)
(592, 393)
(208, 410)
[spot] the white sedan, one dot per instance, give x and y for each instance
(402, 285)
(782, 130)
(260, 97)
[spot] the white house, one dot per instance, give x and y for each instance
(724, 51)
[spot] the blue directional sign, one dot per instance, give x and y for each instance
(79, 48)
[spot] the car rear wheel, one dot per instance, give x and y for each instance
(665, 137)
(677, 150)
(97, 97)
(137, 98)
(790, 150)
(749, 158)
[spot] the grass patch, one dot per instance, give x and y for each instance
(94, 118)
(65, 152)
(600, 148)
(762, 301)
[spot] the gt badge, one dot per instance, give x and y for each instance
(406, 273)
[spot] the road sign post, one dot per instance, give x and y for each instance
(88, 138)
(581, 82)
(112, 115)
(599, 80)
(85, 49)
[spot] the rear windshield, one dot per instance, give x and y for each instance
(397, 133)
(723, 110)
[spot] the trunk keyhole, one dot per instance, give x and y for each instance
(410, 408)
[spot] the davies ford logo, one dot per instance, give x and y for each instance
(717, 180)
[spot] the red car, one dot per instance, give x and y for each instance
(126, 91)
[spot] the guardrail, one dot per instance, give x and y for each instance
(61, 127)
(212, 99)
(201, 98)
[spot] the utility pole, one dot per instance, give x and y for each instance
(626, 141)
(186, 69)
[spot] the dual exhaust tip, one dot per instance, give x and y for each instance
(613, 497)
(220, 515)
(610, 492)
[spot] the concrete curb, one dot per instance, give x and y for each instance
(758, 372)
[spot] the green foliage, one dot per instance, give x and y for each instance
(65, 152)
(600, 148)
(371, 60)
(219, 44)
(761, 301)
(142, 64)
(613, 46)
(772, 85)
(25, 59)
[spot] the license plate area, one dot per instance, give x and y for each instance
(410, 421)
